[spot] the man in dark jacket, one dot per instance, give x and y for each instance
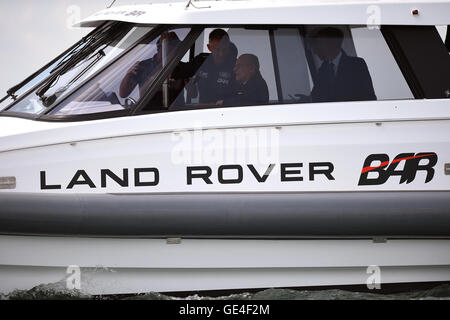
(340, 77)
(142, 72)
(211, 73)
(249, 88)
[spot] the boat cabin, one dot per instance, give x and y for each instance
(159, 58)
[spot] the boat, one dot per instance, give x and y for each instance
(225, 145)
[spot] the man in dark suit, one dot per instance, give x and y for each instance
(340, 77)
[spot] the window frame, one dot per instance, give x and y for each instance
(417, 80)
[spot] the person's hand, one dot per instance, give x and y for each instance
(136, 69)
(164, 36)
(219, 103)
(191, 89)
(130, 80)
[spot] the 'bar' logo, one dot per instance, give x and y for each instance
(386, 169)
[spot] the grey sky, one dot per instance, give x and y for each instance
(34, 32)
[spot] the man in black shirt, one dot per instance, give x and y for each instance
(249, 88)
(211, 73)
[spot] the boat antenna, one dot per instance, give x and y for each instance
(111, 4)
(190, 3)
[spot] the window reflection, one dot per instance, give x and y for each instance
(122, 85)
(103, 48)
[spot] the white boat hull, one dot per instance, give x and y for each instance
(116, 266)
(110, 265)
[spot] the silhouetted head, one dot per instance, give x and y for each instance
(327, 42)
(172, 41)
(219, 45)
(247, 66)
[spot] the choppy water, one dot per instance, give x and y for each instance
(59, 292)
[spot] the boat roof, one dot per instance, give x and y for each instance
(280, 12)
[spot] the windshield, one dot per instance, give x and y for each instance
(124, 84)
(60, 78)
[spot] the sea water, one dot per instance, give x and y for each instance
(59, 292)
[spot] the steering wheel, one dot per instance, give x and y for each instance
(130, 103)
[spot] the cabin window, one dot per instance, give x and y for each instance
(351, 63)
(122, 85)
(231, 67)
(424, 59)
(217, 66)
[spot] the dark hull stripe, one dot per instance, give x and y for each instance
(259, 215)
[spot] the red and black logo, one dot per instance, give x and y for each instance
(386, 169)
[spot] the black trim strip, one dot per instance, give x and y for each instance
(402, 62)
(251, 215)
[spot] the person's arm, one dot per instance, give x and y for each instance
(231, 97)
(130, 81)
(186, 70)
(256, 92)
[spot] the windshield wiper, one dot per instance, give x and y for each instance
(11, 92)
(85, 52)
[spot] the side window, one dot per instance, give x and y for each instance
(424, 57)
(388, 80)
(290, 56)
(306, 64)
(228, 67)
(352, 63)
